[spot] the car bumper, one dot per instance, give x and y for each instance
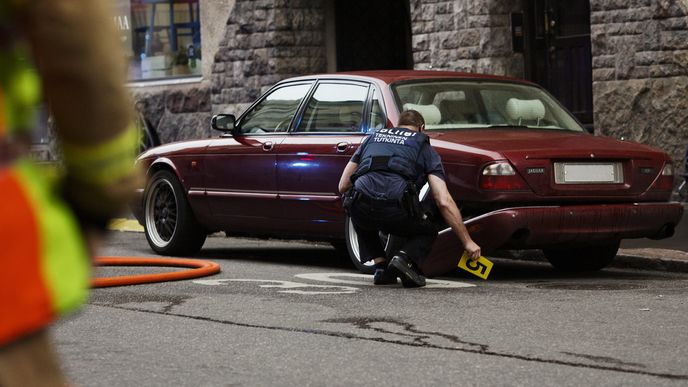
(561, 226)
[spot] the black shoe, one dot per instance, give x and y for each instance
(385, 277)
(410, 278)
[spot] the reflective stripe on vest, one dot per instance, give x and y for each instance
(3, 114)
(44, 265)
(394, 150)
(20, 89)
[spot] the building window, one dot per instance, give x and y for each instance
(161, 38)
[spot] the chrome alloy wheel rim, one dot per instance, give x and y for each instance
(353, 240)
(161, 213)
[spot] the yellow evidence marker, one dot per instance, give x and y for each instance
(481, 267)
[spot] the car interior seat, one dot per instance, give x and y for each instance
(455, 111)
(431, 113)
(524, 111)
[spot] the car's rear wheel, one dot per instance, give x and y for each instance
(351, 239)
(170, 225)
(583, 258)
(389, 242)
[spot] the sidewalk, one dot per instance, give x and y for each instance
(665, 255)
(653, 259)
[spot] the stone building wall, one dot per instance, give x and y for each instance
(176, 113)
(257, 44)
(640, 72)
(639, 47)
(182, 111)
(266, 41)
(465, 35)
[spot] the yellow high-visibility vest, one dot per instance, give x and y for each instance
(44, 264)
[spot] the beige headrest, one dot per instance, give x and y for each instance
(525, 109)
(431, 113)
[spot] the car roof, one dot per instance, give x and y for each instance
(393, 76)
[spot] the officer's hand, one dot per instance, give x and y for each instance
(473, 250)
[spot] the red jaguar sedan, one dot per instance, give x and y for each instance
(524, 172)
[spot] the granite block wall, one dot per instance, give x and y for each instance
(465, 35)
(266, 41)
(640, 72)
(178, 113)
(639, 48)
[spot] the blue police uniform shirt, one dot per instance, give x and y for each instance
(391, 185)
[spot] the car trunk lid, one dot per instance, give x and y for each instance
(566, 163)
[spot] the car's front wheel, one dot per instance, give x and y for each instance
(591, 258)
(170, 225)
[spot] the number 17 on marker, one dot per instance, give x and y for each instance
(481, 267)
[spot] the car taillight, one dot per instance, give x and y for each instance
(665, 180)
(501, 176)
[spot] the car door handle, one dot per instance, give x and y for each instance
(267, 146)
(343, 146)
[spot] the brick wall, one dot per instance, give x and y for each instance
(640, 71)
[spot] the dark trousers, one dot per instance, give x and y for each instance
(370, 217)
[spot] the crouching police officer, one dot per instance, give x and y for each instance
(380, 186)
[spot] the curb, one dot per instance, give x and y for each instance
(653, 259)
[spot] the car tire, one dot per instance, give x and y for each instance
(169, 223)
(351, 240)
(582, 259)
(389, 242)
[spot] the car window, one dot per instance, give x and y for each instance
(335, 107)
(274, 112)
(377, 115)
(469, 104)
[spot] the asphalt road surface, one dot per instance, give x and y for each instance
(293, 314)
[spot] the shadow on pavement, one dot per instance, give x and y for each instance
(528, 271)
(325, 257)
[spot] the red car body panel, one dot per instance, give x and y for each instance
(285, 184)
(555, 226)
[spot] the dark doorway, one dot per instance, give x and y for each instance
(558, 53)
(373, 35)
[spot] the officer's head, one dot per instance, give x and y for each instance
(412, 118)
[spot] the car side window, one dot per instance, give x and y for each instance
(274, 113)
(335, 107)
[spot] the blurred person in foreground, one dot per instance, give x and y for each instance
(51, 221)
(380, 186)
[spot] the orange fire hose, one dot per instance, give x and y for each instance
(200, 268)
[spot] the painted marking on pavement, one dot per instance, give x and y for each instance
(367, 280)
(291, 287)
(122, 224)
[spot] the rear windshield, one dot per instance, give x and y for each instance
(471, 104)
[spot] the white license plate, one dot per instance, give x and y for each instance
(587, 173)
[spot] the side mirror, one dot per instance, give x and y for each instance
(223, 122)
